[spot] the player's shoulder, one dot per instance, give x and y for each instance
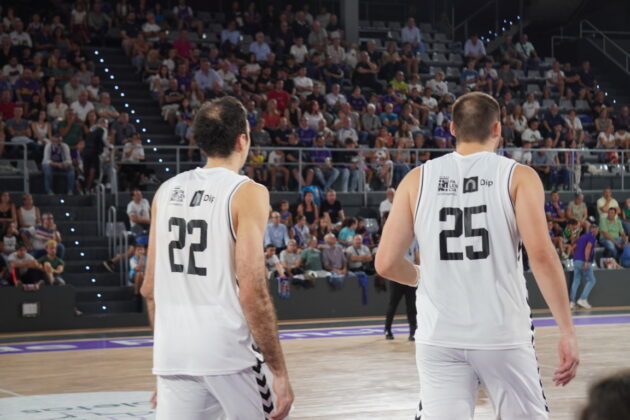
(250, 193)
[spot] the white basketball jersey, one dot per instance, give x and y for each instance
(200, 328)
(472, 292)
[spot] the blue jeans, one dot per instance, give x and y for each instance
(626, 226)
(578, 272)
(333, 174)
(610, 246)
(48, 176)
(350, 180)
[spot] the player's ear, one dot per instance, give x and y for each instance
(452, 128)
(496, 129)
(242, 143)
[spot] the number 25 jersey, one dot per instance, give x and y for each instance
(472, 291)
(200, 328)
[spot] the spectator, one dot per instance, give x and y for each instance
(542, 163)
(309, 209)
(56, 110)
(334, 99)
(72, 90)
(386, 205)
(171, 100)
(488, 78)
(410, 34)
(611, 234)
(555, 211)
(7, 105)
(276, 233)
(301, 232)
(603, 122)
(532, 134)
(572, 122)
(272, 263)
(26, 86)
(331, 208)
(28, 216)
(359, 257)
(12, 70)
(98, 22)
(365, 73)
(311, 260)
(349, 162)
(531, 107)
(335, 261)
(577, 209)
(469, 77)
(346, 131)
(26, 268)
(207, 78)
(57, 156)
(552, 119)
(438, 84)
(303, 84)
(318, 36)
(82, 106)
(43, 233)
(182, 44)
(370, 124)
(11, 240)
(583, 258)
(474, 49)
(139, 213)
(122, 130)
(347, 232)
(8, 213)
(51, 265)
(587, 79)
(555, 78)
(605, 203)
(260, 48)
(290, 259)
(528, 53)
(137, 265)
(18, 128)
(105, 109)
(507, 79)
(509, 54)
(325, 173)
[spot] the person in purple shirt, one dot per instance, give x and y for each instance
(305, 133)
(583, 266)
(556, 212)
(26, 86)
(325, 173)
(357, 101)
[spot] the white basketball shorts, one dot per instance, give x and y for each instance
(245, 395)
(450, 380)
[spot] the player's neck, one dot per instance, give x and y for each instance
(233, 163)
(468, 148)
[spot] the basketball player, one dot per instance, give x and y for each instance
(206, 288)
(469, 211)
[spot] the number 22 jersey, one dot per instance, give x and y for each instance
(472, 291)
(200, 328)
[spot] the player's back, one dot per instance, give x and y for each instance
(472, 291)
(200, 328)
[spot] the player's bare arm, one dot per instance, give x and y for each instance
(529, 199)
(398, 234)
(250, 212)
(148, 284)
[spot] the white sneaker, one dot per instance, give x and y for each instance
(584, 303)
(572, 305)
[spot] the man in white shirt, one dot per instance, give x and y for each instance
(555, 78)
(13, 70)
(346, 131)
(207, 78)
(530, 107)
(437, 84)
(150, 29)
(532, 134)
(226, 75)
(334, 97)
(474, 49)
(139, 212)
(299, 51)
(82, 106)
(260, 48)
(386, 205)
(411, 34)
(336, 52)
(72, 89)
(303, 83)
(19, 38)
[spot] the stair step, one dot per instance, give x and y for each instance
(86, 253)
(104, 294)
(85, 267)
(114, 306)
(78, 227)
(84, 241)
(82, 280)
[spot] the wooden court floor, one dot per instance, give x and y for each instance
(341, 378)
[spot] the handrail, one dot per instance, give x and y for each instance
(118, 243)
(100, 208)
(25, 173)
(464, 23)
(606, 41)
(302, 163)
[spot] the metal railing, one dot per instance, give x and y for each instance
(118, 243)
(464, 24)
(612, 50)
(595, 157)
(8, 171)
(100, 208)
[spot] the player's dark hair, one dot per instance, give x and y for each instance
(218, 124)
(609, 398)
(474, 114)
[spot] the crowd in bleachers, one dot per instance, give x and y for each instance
(323, 112)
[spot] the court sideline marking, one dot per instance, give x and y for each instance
(6, 391)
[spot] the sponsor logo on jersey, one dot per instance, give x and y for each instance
(177, 195)
(447, 185)
(199, 197)
(473, 183)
